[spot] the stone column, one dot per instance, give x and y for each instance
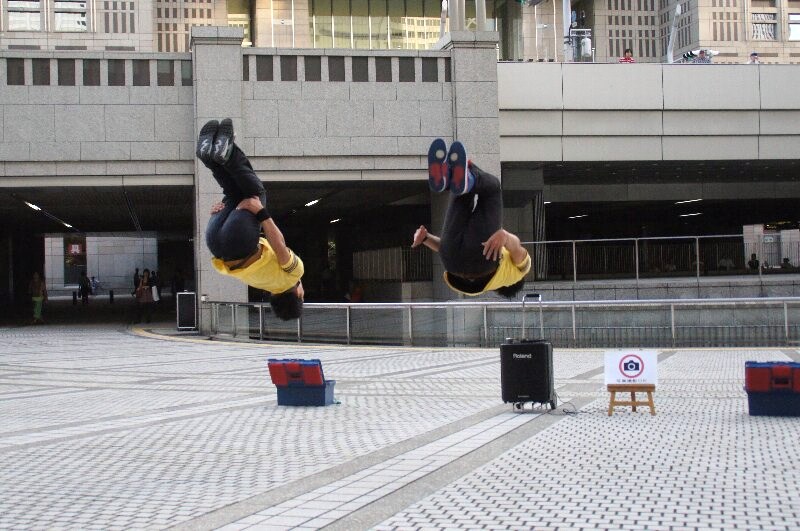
(475, 122)
(217, 80)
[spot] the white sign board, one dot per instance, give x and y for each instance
(631, 367)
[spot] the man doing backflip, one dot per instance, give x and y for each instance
(477, 253)
(233, 232)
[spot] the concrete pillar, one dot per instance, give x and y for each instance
(217, 64)
(474, 85)
(474, 82)
(480, 14)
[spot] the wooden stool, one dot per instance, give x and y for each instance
(632, 389)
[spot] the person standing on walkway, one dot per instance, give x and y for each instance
(477, 253)
(38, 293)
(135, 281)
(144, 298)
(84, 288)
(233, 232)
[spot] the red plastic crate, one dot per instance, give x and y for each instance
(773, 388)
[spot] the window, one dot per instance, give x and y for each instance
(313, 65)
(70, 15)
(66, 72)
(360, 69)
(335, 68)
(794, 26)
(91, 72)
(383, 69)
(764, 26)
(165, 72)
(15, 71)
(264, 67)
(430, 69)
(407, 69)
(141, 73)
(288, 68)
(116, 72)
(24, 15)
(186, 73)
(41, 71)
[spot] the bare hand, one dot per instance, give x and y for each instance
(494, 245)
(251, 204)
(419, 236)
(217, 207)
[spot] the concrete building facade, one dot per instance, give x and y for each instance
(733, 28)
(105, 140)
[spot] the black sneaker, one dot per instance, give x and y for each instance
(223, 144)
(205, 140)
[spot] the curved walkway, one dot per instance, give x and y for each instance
(103, 427)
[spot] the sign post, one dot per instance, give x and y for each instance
(631, 371)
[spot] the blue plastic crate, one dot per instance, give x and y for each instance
(306, 395)
(776, 403)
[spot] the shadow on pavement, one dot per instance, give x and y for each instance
(99, 310)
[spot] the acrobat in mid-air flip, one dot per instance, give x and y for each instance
(233, 234)
(477, 253)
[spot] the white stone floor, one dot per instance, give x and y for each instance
(103, 427)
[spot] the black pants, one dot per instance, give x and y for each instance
(238, 181)
(467, 225)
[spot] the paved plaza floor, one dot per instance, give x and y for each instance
(109, 427)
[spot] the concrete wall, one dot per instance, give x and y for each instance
(102, 135)
(618, 112)
(111, 258)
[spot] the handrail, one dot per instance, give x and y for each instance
(691, 237)
(763, 327)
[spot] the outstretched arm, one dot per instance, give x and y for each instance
(502, 238)
(271, 231)
(423, 237)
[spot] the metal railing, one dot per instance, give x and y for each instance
(623, 258)
(585, 324)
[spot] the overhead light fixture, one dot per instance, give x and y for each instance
(578, 216)
(312, 203)
(687, 201)
(43, 211)
(337, 220)
(692, 214)
(547, 202)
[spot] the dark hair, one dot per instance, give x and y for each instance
(626, 51)
(512, 290)
(286, 305)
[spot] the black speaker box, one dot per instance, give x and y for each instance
(526, 372)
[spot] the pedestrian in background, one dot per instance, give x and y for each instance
(38, 293)
(135, 282)
(753, 59)
(144, 298)
(84, 288)
(702, 58)
(627, 56)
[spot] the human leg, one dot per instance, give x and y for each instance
(37, 308)
(471, 218)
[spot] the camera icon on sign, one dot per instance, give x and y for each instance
(630, 366)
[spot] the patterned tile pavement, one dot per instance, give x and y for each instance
(103, 427)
